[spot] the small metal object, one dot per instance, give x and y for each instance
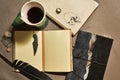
(17, 71)
(58, 10)
(72, 18)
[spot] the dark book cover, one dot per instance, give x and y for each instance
(90, 56)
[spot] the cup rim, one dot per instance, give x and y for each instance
(28, 22)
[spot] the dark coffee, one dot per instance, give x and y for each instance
(35, 14)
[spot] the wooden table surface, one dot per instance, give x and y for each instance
(104, 21)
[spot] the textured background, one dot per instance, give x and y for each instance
(104, 21)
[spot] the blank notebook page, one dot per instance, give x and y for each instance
(57, 51)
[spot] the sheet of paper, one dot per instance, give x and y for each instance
(58, 51)
(24, 48)
(73, 13)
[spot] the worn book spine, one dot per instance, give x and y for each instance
(43, 51)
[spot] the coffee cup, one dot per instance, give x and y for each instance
(33, 13)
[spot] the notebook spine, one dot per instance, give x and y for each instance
(43, 51)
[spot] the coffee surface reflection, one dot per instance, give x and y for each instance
(35, 15)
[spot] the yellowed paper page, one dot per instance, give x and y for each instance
(24, 48)
(57, 51)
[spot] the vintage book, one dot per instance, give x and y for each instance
(49, 51)
(90, 56)
(69, 14)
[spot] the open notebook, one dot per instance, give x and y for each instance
(69, 14)
(49, 51)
